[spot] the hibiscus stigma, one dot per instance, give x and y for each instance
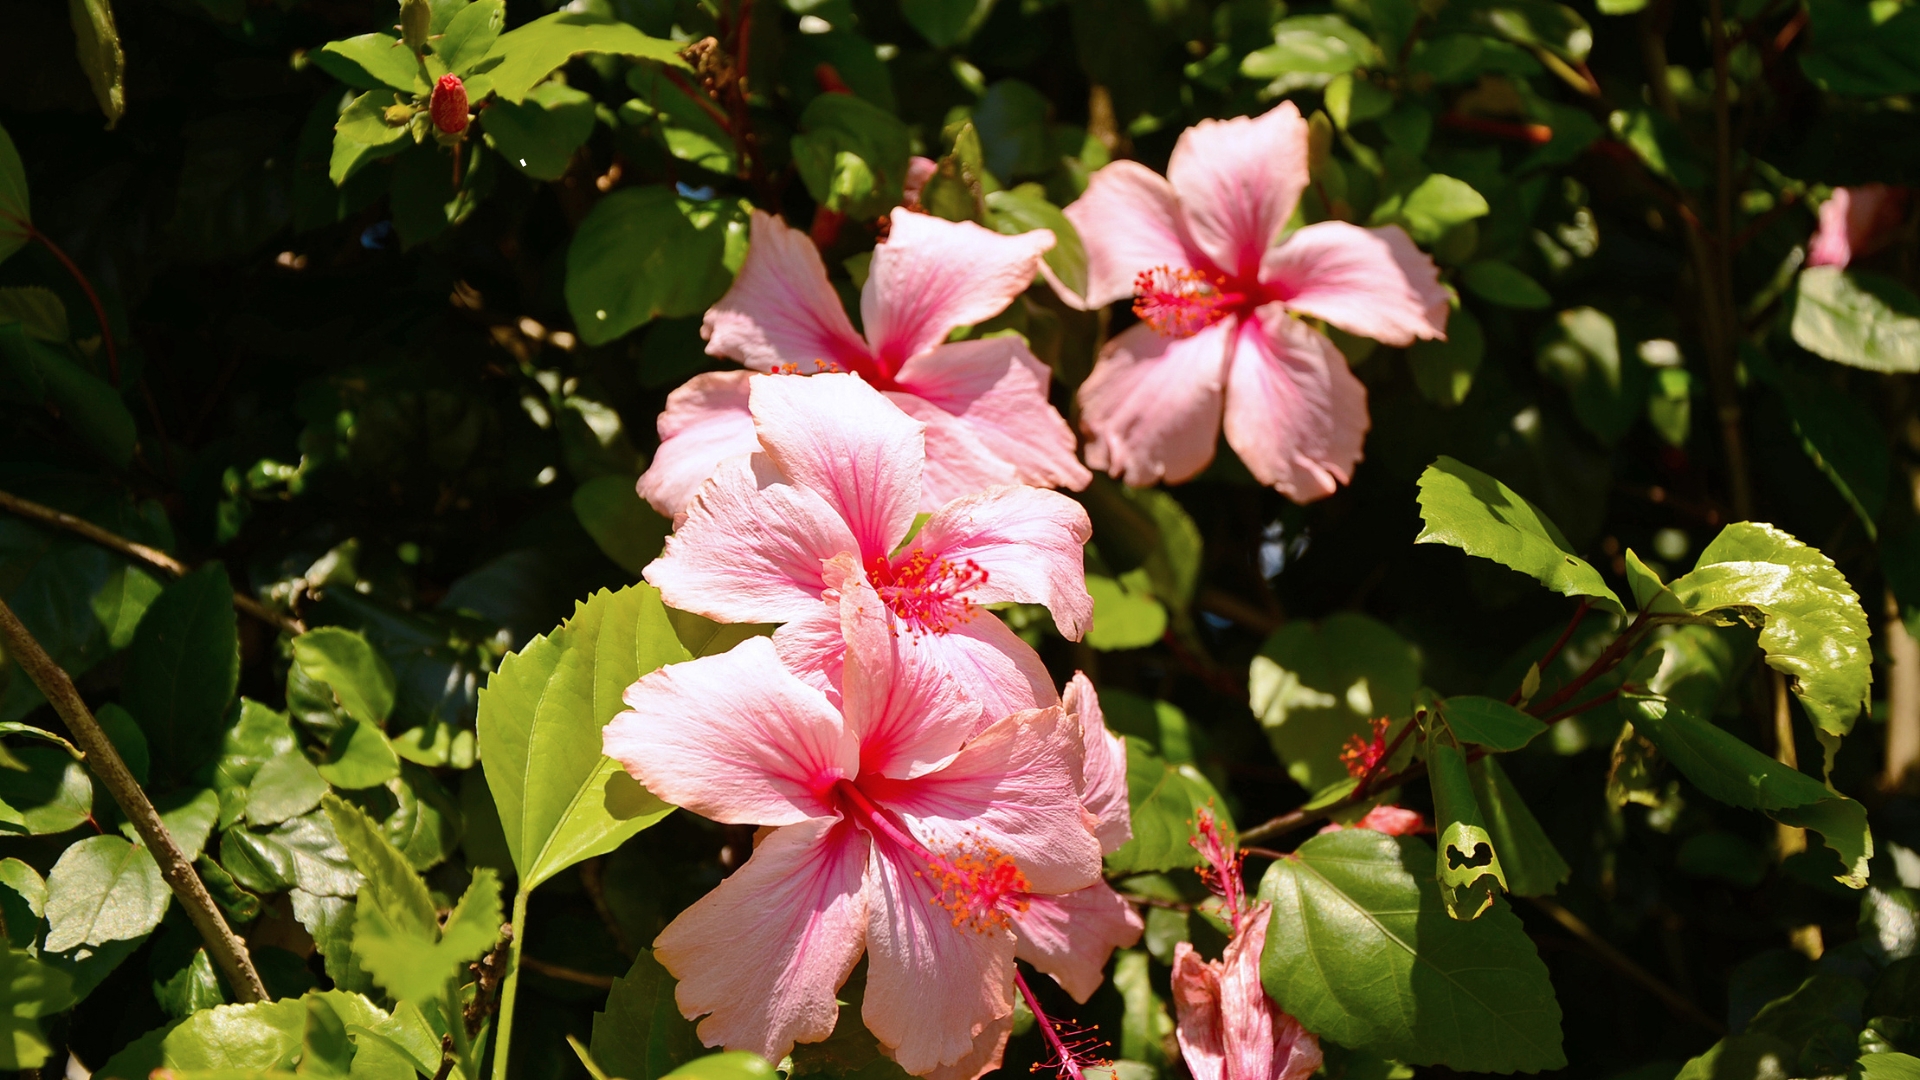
(1180, 302)
(927, 593)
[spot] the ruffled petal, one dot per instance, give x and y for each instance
(1106, 766)
(933, 275)
(909, 715)
(764, 952)
(1295, 413)
(1070, 936)
(1129, 221)
(1151, 408)
(1238, 182)
(992, 665)
(844, 441)
(1198, 1025)
(781, 309)
(1014, 790)
(997, 389)
(989, 1047)
(933, 987)
(1371, 282)
(751, 546)
(734, 737)
(959, 462)
(1262, 1043)
(813, 648)
(1030, 542)
(705, 422)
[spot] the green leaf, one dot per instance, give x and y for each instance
(1164, 799)
(470, 35)
(1465, 508)
(1660, 145)
(1740, 1057)
(329, 919)
(1495, 725)
(643, 252)
(38, 310)
(343, 659)
(285, 787)
(320, 864)
(103, 889)
(182, 670)
(732, 1065)
(51, 795)
(84, 400)
(390, 887)
(1581, 352)
(1869, 50)
(1308, 50)
(362, 134)
(23, 902)
(1313, 687)
(30, 990)
(260, 736)
(1811, 624)
(122, 602)
(560, 799)
(1125, 614)
(539, 135)
(1857, 318)
(1435, 205)
(1889, 1066)
(851, 155)
(15, 215)
(1024, 210)
(641, 1035)
(1533, 865)
(620, 521)
(1443, 371)
(371, 61)
(1360, 950)
(1466, 857)
(360, 757)
(1501, 283)
(684, 119)
(97, 42)
(265, 1036)
(1011, 121)
(416, 965)
(945, 22)
(1670, 405)
(188, 814)
(530, 53)
(1542, 23)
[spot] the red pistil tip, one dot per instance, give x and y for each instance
(926, 593)
(1221, 873)
(981, 888)
(1180, 302)
(1361, 755)
(448, 106)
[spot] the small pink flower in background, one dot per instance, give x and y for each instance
(1856, 221)
(1227, 1026)
(895, 830)
(1218, 301)
(1392, 820)
(984, 402)
(838, 470)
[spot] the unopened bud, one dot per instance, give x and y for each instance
(449, 105)
(416, 22)
(399, 114)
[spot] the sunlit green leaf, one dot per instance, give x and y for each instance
(1465, 508)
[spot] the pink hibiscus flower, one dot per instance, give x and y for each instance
(1392, 820)
(893, 830)
(1856, 221)
(1227, 1026)
(1218, 298)
(838, 470)
(984, 402)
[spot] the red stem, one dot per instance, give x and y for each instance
(1606, 662)
(1068, 1063)
(1582, 707)
(1586, 605)
(99, 312)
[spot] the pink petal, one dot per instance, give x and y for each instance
(1371, 282)
(1031, 543)
(764, 952)
(1014, 789)
(751, 546)
(1238, 182)
(781, 309)
(1393, 820)
(932, 987)
(919, 171)
(1831, 245)
(1129, 221)
(989, 1047)
(1198, 1025)
(1106, 767)
(909, 715)
(1295, 413)
(1262, 1043)
(998, 389)
(1070, 936)
(843, 440)
(814, 649)
(734, 737)
(959, 462)
(933, 275)
(706, 421)
(1151, 408)
(992, 665)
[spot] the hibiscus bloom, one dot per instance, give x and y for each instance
(984, 402)
(1856, 221)
(1392, 820)
(1218, 300)
(838, 470)
(893, 830)
(1227, 1026)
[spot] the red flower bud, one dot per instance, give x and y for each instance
(449, 105)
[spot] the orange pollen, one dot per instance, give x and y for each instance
(1181, 302)
(982, 888)
(927, 593)
(1361, 755)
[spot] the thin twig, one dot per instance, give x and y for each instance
(99, 311)
(1605, 662)
(226, 949)
(154, 557)
(567, 974)
(1622, 963)
(446, 1057)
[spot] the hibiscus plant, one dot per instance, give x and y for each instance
(856, 540)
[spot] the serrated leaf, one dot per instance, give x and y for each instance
(182, 670)
(560, 798)
(103, 889)
(641, 1035)
(390, 885)
(1361, 951)
(1313, 687)
(527, 54)
(1164, 799)
(412, 967)
(1495, 725)
(1468, 509)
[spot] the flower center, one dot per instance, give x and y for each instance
(1182, 302)
(927, 593)
(977, 884)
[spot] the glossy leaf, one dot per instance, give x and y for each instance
(851, 155)
(1360, 949)
(359, 757)
(103, 889)
(560, 799)
(1314, 687)
(1024, 210)
(260, 736)
(539, 135)
(371, 61)
(52, 794)
(1468, 509)
(1856, 318)
(182, 670)
(1164, 799)
(470, 35)
(285, 787)
(1495, 725)
(343, 659)
(29, 990)
(644, 252)
(528, 54)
